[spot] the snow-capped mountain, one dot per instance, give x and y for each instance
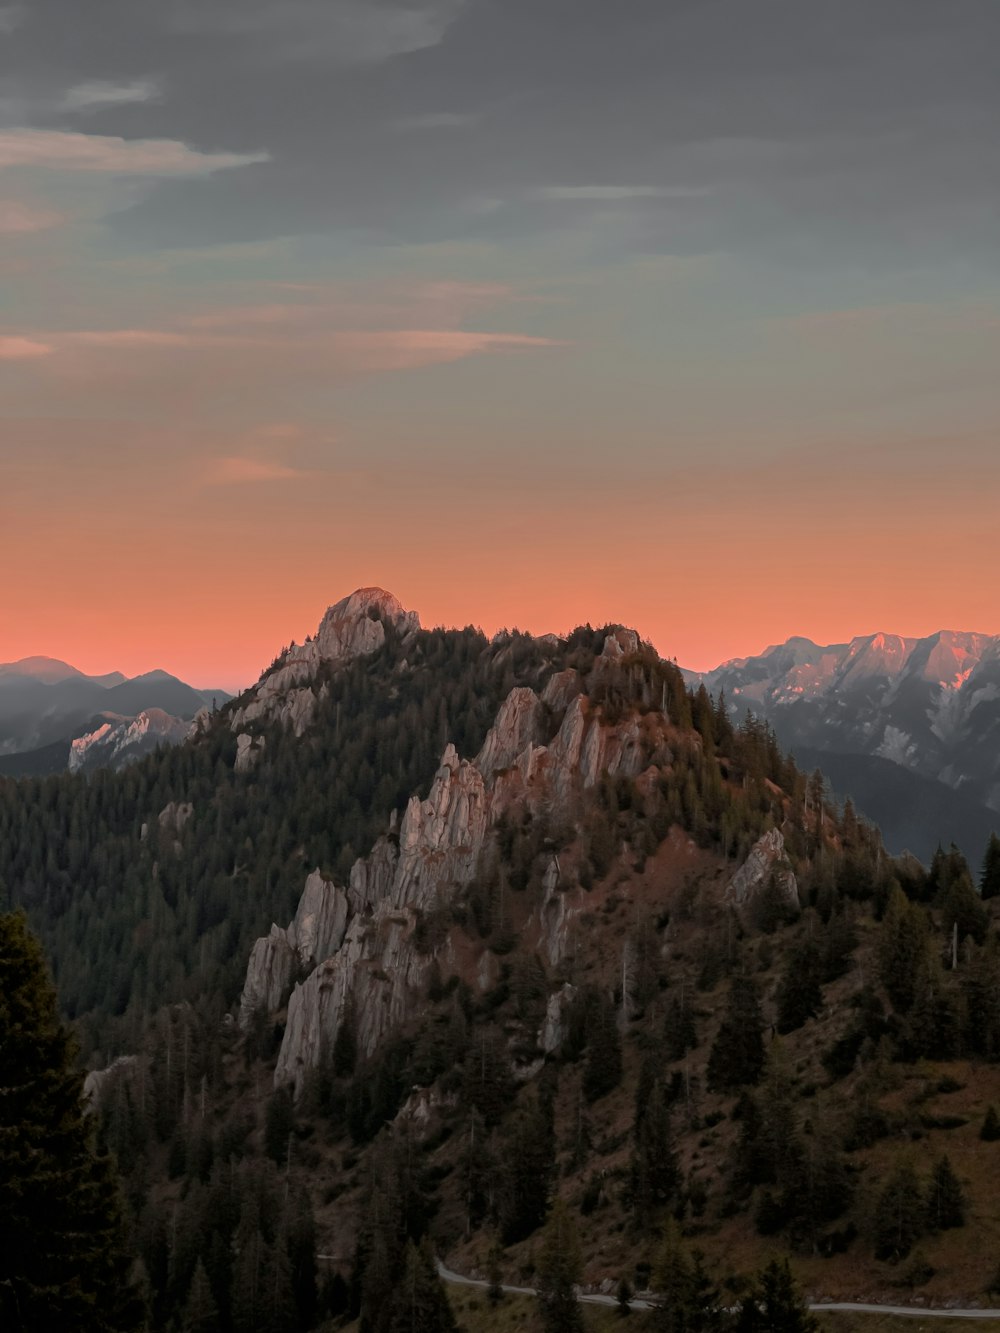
(930, 706)
(114, 744)
(46, 703)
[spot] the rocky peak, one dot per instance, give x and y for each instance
(352, 627)
(355, 626)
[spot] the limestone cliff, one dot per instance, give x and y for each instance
(317, 931)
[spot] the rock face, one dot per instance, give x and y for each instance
(99, 1082)
(353, 627)
(767, 860)
(174, 816)
(317, 931)
(248, 750)
(554, 1030)
(363, 949)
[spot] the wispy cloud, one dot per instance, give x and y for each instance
(94, 95)
(437, 120)
(344, 32)
(17, 218)
(22, 349)
(236, 471)
(407, 349)
(68, 151)
(617, 193)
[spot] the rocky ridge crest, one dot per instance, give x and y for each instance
(374, 965)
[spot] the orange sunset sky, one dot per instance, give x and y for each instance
(531, 314)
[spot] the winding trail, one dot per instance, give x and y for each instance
(820, 1307)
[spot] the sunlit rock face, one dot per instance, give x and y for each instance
(353, 627)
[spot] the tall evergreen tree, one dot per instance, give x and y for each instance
(201, 1314)
(899, 1214)
(989, 880)
(655, 1173)
(603, 1070)
(902, 949)
(559, 1272)
(63, 1258)
(945, 1199)
(420, 1304)
(775, 1304)
(800, 995)
(737, 1056)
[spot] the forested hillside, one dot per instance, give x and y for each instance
(627, 958)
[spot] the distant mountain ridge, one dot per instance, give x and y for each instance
(45, 704)
(930, 706)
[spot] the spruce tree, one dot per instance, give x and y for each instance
(603, 1071)
(945, 1200)
(559, 1272)
(201, 1314)
(990, 1130)
(775, 1305)
(800, 996)
(737, 1056)
(63, 1257)
(902, 950)
(899, 1214)
(989, 882)
(655, 1173)
(420, 1304)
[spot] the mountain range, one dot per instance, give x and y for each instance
(908, 727)
(429, 937)
(48, 709)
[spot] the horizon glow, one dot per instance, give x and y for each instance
(500, 312)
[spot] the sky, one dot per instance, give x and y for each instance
(678, 313)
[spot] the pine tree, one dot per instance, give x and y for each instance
(623, 1297)
(902, 949)
(989, 882)
(800, 996)
(279, 1124)
(899, 1214)
(201, 1314)
(990, 1130)
(63, 1259)
(945, 1200)
(420, 1304)
(559, 1272)
(529, 1150)
(775, 1304)
(673, 1279)
(603, 1071)
(655, 1173)
(737, 1056)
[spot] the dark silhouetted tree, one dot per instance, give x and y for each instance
(559, 1268)
(737, 1056)
(63, 1258)
(945, 1200)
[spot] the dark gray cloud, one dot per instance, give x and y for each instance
(864, 131)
